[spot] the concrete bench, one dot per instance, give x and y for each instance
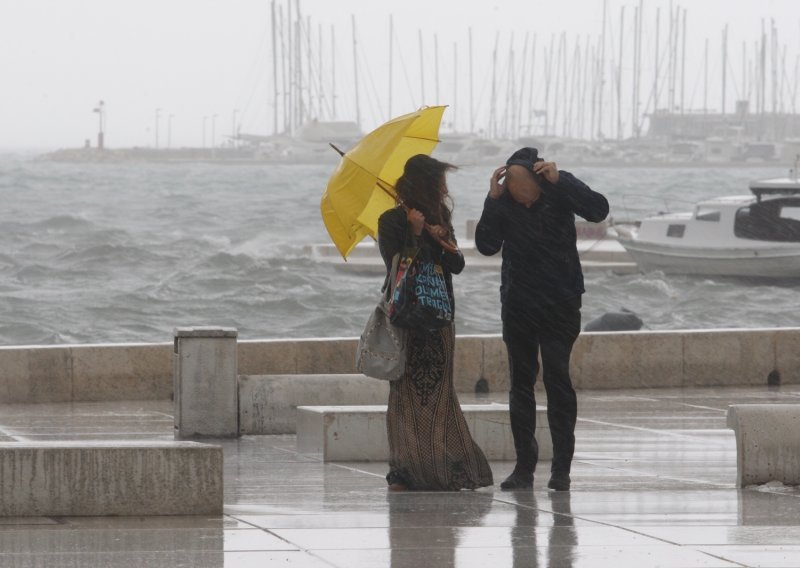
(121, 478)
(358, 433)
(767, 443)
(268, 403)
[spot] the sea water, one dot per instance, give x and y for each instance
(126, 252)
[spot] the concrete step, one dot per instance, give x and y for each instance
(113, 478)
(268, 403)
(358, 433)
(767, 443)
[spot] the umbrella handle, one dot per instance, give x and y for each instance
(446, 245)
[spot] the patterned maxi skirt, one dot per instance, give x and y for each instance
(429, 441)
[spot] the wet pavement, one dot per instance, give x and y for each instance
(653, 485)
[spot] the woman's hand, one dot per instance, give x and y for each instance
(497, 187)
(439, 231)
(417, 221)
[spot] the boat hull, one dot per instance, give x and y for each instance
(783, 262)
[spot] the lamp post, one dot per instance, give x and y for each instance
(233, 131)
(213, 130)
(158, 118)
(169, 130)
(100, 110)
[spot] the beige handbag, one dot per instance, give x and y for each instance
(382, 347)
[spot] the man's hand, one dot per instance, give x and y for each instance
(417, 221)
(547, 170)
(497, 187)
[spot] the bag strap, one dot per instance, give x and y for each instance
(386, 290)
(387, 286)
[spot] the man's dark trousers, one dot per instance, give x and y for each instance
(553, 329)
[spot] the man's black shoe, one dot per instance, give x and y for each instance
(559, 482)
(517, 480)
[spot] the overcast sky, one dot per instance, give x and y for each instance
(200, 58)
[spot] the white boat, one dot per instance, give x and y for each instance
(598, 250)
(755, 235)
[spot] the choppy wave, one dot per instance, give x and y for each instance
(98, 253)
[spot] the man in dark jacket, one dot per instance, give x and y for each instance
(530, 214)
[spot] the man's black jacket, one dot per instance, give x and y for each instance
(540, 258)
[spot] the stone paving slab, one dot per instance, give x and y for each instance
(654, 484)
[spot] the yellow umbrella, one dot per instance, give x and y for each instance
(362, 186)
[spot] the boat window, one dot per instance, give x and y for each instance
(676, 231)
(766, 222)
(707, 215)
(790, 213)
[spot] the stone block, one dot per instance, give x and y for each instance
(206, 386)
(606, 360)
(268, 404)
(767, 443)
(728, 357)
(358, 433)
(110, 478)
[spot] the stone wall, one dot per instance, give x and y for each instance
(33, 374)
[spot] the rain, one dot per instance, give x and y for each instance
(207, 164)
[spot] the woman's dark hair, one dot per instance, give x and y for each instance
(422, 187)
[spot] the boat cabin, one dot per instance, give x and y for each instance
(770, 215)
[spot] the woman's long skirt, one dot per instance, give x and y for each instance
(429, 441)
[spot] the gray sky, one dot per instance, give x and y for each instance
(199, 58)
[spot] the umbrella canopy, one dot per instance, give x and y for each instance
(362, 186)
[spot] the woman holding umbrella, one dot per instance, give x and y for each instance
(429, 441)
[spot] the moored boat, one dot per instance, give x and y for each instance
(755, 235)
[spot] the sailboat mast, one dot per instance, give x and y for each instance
(471, 99)
(587, 80)
(705, 80)
(355, 72)
(522, 76)
(637, 117)
(436, 65)
(564, 80)
(619, 72)
(421, 69)
(455, 87)
(508, 111)
(391, 61)
(672, 58)
(320, 74)
(274, 72)
(548, 77)
(724, 67)
(601, 78)
(531, 111)
(635, 81)
(299, 69)
(333, 73)
(309, 60)
(290, 77)
(493, 106)
(683, 65)
(557, 94)
(657, 62)
(574, 86)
